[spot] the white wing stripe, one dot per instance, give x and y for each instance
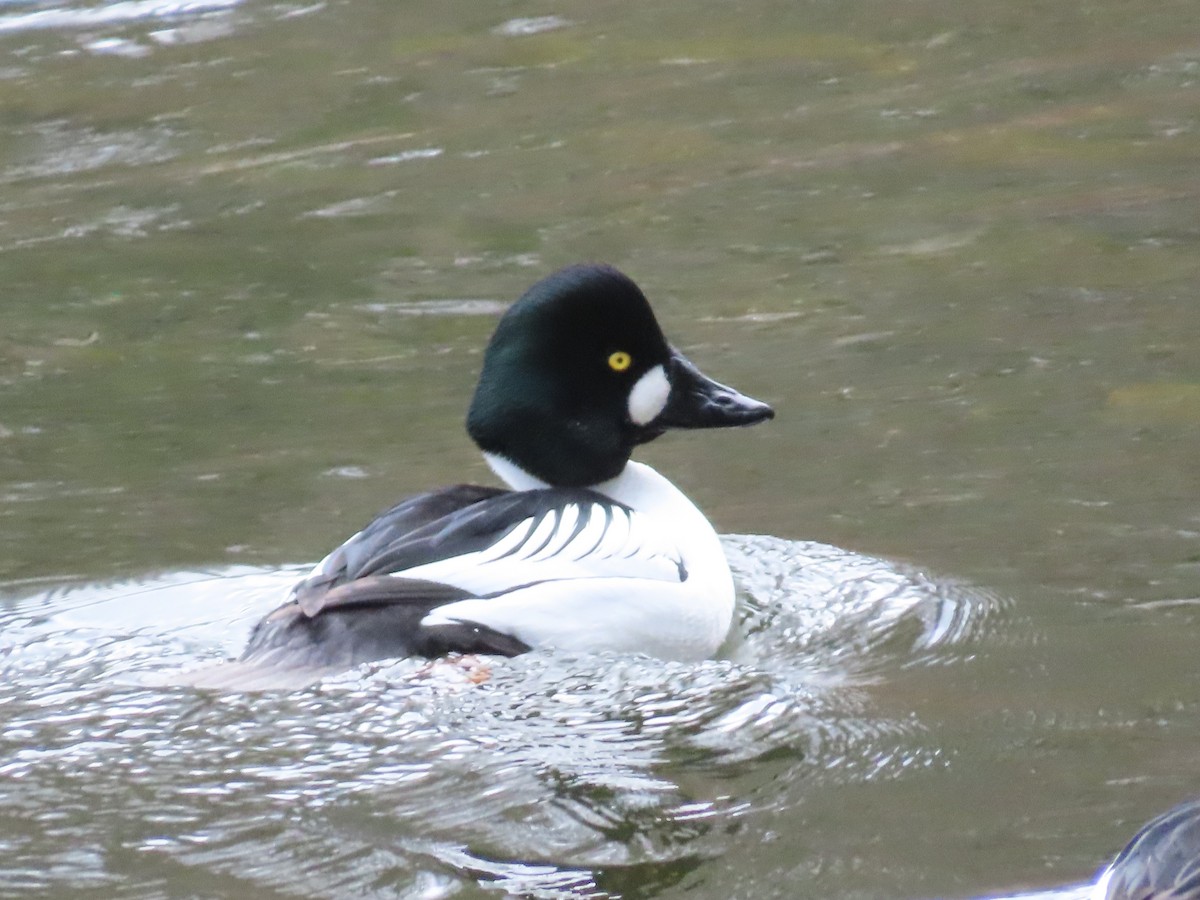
(566, 522)
(616, 533)
(563, 544)
(510, 543)
(543, 530)
(595, 528)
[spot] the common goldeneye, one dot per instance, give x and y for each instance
(1160, 862)
(586, 551)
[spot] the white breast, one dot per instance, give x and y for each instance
(616, 590)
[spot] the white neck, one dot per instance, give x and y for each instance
(638, 486)
(641, 487)
(512, 474)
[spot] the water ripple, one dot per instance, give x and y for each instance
(837, 608)
(74, 17)
(558, 776)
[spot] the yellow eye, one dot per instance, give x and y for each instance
(620, 361)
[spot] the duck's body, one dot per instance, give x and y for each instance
(1160, 862)
(585, 551)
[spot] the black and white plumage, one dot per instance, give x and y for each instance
(587, 550)
(1160, 862)
(456, 544)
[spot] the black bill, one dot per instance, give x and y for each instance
(696, 401)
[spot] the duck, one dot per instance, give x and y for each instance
(583, 550)
(1160, 862)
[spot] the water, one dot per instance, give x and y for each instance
(569, 776)
(251, 253)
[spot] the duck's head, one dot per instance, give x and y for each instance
(578, 373)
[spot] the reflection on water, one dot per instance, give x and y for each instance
(826, 603)
(106, 13)
(564, 775)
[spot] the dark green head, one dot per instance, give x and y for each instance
(578, 373)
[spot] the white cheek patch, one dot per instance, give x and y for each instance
(648, 396)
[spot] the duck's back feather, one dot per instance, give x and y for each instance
(358, 556)
(373, 596)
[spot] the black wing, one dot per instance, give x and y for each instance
(372, 618)
(352, 559)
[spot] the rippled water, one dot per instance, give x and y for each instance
(568, 776)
